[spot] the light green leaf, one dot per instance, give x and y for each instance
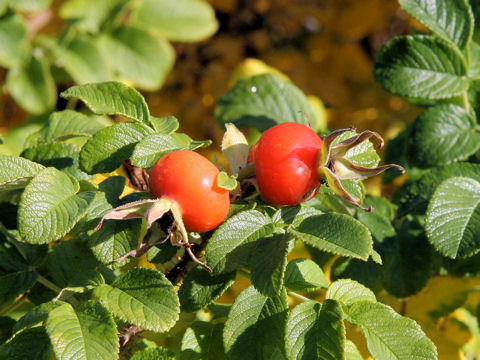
(443, 134)
(143, 297)
(29, 344)
(364, 154)
(111, 98)
(474, 68)
(63, 125)
(421, 67)
(111, 146)
(200, 288)
(203, 341)
(156, 353)
(450, 20)
(30, 6)
(32, 86)
(165, 125)
(87, 333)
(50, 207)
(263, 101)
(390, 336)
(184, 20)
(152, 147)
(336, 233)
(256, 325)
(231, 245)
(304, 275)
(16, 172)
(268, 263)
(351, 351)
(349, 292)
(14, 46)
(226, 182)
(315, 331)
(453, 217)
(82, 60)
(139, 57)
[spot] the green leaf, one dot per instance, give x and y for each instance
(351, 351)
(111, 146)
(153, 147)
(50, 207)
(453, 217)
(82, 60)
(364, 154)
(255, 325)
(111, 98)
(444, 134)
(413, 197)
(226, 182)
(16, 172)
(200, 288)
(165, 125)
(162, 253)
(263, 101)
(88, 15)
(88, 332)
(30, 344)
(6, 327)
(156, 353)
(30, 6)
(35, 317)
(143, 297)
(379, 221)
(114, 239)
(15, 282)
(422, 67)
(294, 214)
(14, 45)
(32, 86)
(449, 20)
(268, 263)
(315, 331)
(64, 125)
(231, 245)
(203, 341)
(184, 20)
(60, 155)
(349, 292)
(408, 262)
(304, 275)
(139, 57)
(336, 233)
(389, 335)
(474, 68)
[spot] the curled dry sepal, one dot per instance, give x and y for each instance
(333, 165)
(152, 210)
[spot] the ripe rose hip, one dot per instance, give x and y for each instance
(190, 180)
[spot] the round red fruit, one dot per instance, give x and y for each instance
(286, 163)
(190, 180)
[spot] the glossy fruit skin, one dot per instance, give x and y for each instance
(286, 163)
(190, 180)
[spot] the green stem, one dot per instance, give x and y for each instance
(290, 293)
(466, 102)
(48, 284)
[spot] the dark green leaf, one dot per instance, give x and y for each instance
(156, 353)
(184, 20)
(443, 134)
(336, 233)
(268, 263)
(143, 297)
(304, 275)
(111, 146)
(450, 20)
(6, 327)
(50, 207)
(231, 245)
(453, 217)
(138, 56)
(293, 215)
(422, 67)
(263, 101)
(200, 288)
(203, 341)
(30, 344)
(111, 98)
(35, 317)
(256, 325)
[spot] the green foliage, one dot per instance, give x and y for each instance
(304, 275)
